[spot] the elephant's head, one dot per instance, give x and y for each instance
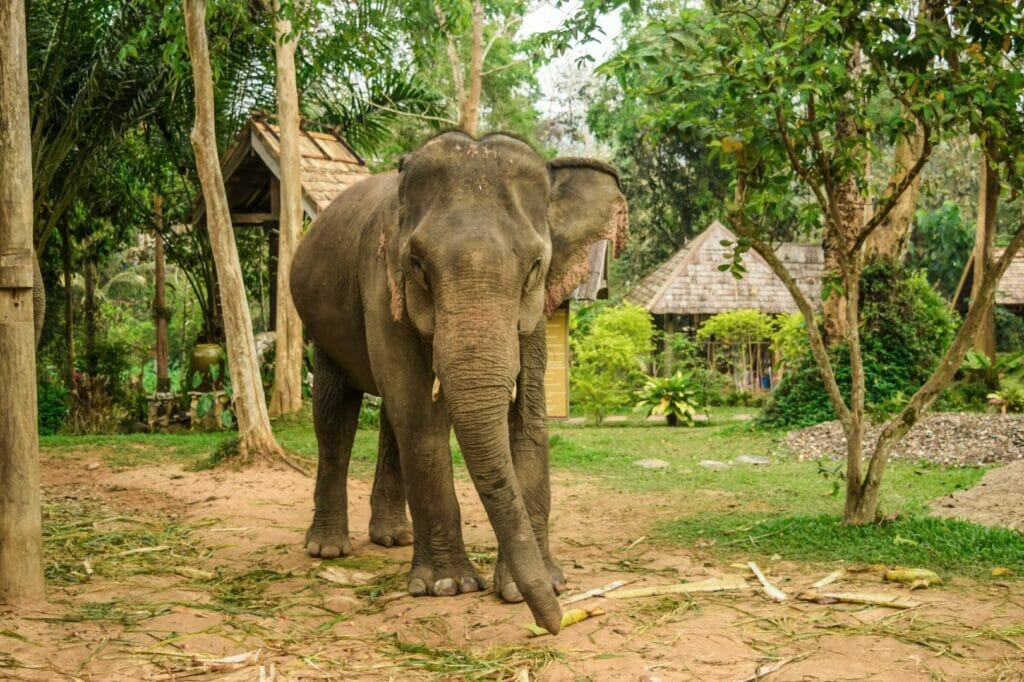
(490, 239)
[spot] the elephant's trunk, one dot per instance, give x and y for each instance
(477, 359)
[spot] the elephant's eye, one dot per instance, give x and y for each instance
(534, 276)
(419, 273)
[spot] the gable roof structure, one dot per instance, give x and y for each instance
(1009, 291)
(329, 166)
(690, 283)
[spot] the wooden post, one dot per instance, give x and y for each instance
(163, 377)
(21, 546)
(270, 229)
(254, 433)
(670, 330)
(984, 243)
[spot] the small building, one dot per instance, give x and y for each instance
(1009, 292)
(689, 287)
(556, 378)
(251, 170)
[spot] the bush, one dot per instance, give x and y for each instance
(53, 406)
(687, 357)
(1009, 331)
(905, 328)
(608, 359)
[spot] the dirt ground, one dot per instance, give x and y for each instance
(994, 501)
(242, 583)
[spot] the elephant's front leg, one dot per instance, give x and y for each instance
(528, 431)
(388, 523)
(335, 416)
(439, 563)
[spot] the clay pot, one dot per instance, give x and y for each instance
(206, 363)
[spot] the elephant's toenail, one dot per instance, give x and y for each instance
(446, 587)
(468, 585)
(417, 587)
(511, 593)
(313, 549)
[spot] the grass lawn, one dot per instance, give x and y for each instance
(788, 507)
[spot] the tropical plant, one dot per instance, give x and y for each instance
(740, 333)
(940, 243)
(1009, 397)
(609, 358)
(978, 366)
(675, 397)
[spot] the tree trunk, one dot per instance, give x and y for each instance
(889, 240)
(21, 557)
(469, 109)
(90, 311)
(287, 393)
(69, 309)
(255, 435)
(163, 378)
(984, 244)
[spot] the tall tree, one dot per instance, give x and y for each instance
(21, 543)
(287, 391)
(795, 116)
(255, 436)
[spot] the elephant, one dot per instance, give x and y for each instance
(429, 286)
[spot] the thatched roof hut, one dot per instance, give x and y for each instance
(690, 283)
(1009, 293)
(251, 169)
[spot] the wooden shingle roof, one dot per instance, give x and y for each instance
(329, 166)
(1010, 290)
(690, 283)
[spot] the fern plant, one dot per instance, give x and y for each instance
(675, 397)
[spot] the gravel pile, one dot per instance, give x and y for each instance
(952, 439)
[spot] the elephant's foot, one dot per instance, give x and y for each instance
(328, 540)
(390, 531)
(505, 584)
(455, 577)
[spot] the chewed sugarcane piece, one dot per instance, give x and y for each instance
(894, 601)
(829, 579)
(596, 592)
(775, 593)
(726, 584)
(570, 617)
(916, 577)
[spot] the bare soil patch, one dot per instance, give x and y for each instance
(234, 579)
(996, 500)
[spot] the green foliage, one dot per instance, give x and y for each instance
(1009, 397)
(940, 243)
(52, 404)
(905, 329)
(711, 385)
(608, 359)
(944, 545)
(1009, 330)
(737, 327)
(675, 397)
(789, 339)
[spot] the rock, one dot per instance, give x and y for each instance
(951, 439)
(742, 417)
(576, 420)
(657, 418)
(754, 460)
(651, 463)
(713, 464)
(615, 419)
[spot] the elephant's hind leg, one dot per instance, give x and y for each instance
(389, 524)
(335, 415)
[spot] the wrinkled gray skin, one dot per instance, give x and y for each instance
(38, 300)
(444, 269)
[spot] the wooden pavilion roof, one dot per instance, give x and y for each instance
(690, 283)
(251, 166)
(1009, 292)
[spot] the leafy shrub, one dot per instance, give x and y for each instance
(1009, 397)
(53, 406)
(940, 243)
(906, 327)
(688, 358)
(675, 397)
(740, 332)
(789, 339)
(1009, 331)
(608, 359)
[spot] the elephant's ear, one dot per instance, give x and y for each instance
(585, 206)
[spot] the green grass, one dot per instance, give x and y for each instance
(944, 545)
